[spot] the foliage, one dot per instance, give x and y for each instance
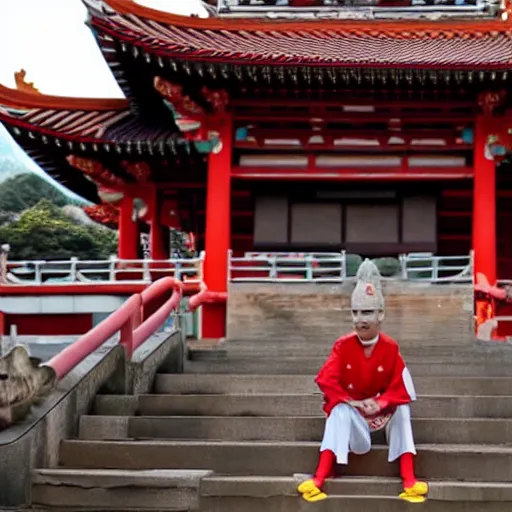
(353, 263)
(45, 232)
(388, 267)
(26, 190)
(180, 247)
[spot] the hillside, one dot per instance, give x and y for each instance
(10, 165)
(14, 162)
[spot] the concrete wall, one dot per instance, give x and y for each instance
(319, 313)
(35, 441)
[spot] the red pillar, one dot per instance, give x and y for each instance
(218, 229)
(157, 238)
(484, 202)
(128, 231)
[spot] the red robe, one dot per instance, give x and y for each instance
(348, 375)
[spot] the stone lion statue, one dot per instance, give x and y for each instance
(23, 383)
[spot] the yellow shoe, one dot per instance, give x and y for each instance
(310, 492)
(415, 494)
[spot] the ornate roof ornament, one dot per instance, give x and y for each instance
(22, 85)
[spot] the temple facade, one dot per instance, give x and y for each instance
(376, 128)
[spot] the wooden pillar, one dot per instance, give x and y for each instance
(128, 231)
(157, 237)
(218, 228)
(484, 202)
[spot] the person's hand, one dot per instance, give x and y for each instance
(369, 407)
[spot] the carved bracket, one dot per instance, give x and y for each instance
(95, 171)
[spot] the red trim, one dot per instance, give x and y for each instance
(348, 174)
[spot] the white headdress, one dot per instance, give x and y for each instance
(367, 294)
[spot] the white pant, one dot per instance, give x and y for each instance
(347, 431)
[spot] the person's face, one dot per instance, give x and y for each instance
(366, 323)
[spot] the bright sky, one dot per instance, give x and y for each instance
(49, 39)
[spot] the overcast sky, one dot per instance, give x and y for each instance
(48, 38)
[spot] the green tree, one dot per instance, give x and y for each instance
(26, 190)
(45, 232)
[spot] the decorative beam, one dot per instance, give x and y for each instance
(351, 174)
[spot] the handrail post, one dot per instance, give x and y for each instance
(230, 269)
(112, 269)
(273, 267)
(127, 329)
(309, 267)
(435, 269)
(38, 272)
(343, 265)
(403, 264)
(72, 272)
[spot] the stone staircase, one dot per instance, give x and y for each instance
(242, 427)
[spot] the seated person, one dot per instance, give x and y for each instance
(366, 387)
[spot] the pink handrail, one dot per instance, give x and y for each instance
(151, 324)
(206, 297)
(127, 320)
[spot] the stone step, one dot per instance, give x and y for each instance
(100, 489)
(427, 406)
(469, 353)
(336, 503)
(427, 431)
(197, 384)
(311, 365)
(440, 462)
(266, 486)
(185, 490)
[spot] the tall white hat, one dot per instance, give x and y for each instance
(367, 294)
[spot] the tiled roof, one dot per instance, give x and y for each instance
(445, 44)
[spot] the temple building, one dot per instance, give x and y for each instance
(372, 127)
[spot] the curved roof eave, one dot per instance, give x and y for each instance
(20, 99)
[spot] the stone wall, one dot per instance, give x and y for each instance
(416, 313)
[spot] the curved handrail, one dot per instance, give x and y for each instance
(127, 320)
(74, 354)
(151, 324)
(206, 297)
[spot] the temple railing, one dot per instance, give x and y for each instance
(102, 271)
(336, 268)
(358, 9)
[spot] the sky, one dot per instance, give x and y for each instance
(49, 39)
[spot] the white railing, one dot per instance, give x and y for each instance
(102, 271)
(252, 267)
(334, 268)
(350, 9)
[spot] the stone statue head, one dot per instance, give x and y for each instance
(23, 383)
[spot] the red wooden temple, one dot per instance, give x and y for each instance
(275, 133)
